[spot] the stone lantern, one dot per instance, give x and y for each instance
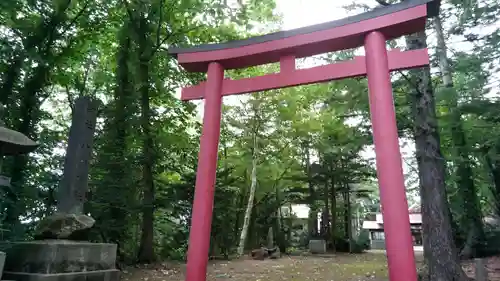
(12, 143)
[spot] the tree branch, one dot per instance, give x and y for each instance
(75, 18)
(130, 14)
(158, 28)
(70, 99)
(410, 82)
(383, 3)
(83, 85)
(159, 43)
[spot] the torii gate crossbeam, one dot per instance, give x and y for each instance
(371, 30)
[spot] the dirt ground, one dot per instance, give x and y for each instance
(342, 267)
(492, 266)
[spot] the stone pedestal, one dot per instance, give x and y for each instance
(2, 262)
(317, 246)
(60, 260)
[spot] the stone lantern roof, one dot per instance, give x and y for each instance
(13, 142)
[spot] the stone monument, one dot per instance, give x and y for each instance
(70, 222)
(12, 143)
(60, 252)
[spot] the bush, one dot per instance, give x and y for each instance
(491, 245)
(361, 243)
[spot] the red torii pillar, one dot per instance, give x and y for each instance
(201, 219)
(370, 29)
(398, 239)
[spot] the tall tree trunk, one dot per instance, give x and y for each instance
(113, 220)
(226, 240)
(494, 170)
(312, 223)
(347, 216)
(41, 42)
(473, 217)
(11, 77)
(325, 215)
(333, 210)
(239, 202)
(278, 224)
(146, 249)
(28, 117)
(441, 256)
(251, 196)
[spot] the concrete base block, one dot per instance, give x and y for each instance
(317, 246)
(99, 275)
(60, 260)
(2, 263)
(58, 256)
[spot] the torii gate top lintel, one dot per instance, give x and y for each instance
(393, 21)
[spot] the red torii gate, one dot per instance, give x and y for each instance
(371, 30)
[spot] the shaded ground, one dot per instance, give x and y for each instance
(492, 266)
(369, 266)
(343, 267)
